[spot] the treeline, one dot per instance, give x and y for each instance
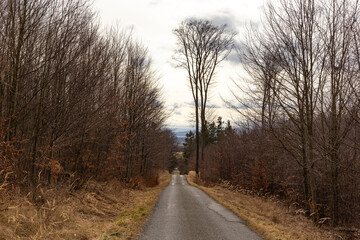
(76, 101)
(300, 109)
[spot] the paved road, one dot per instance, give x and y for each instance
(185, 212)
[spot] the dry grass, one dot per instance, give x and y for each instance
(268, 217)
(98, 211)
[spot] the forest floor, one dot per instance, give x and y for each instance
(270, 217)
(100, 211)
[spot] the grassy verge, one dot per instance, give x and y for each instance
(268, 217)
(98, 211)
(129, 223)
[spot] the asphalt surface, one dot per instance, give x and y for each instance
(185, 212)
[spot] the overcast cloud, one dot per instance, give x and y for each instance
(152, 22)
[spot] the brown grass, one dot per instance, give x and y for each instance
(98, 211)
(270, 218)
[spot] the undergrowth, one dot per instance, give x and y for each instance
(100, 210)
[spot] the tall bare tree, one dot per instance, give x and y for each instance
(338, 101)
(201, 47)
(287, 60)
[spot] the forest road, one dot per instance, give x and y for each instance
(185, 212)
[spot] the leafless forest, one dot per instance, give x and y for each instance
(80, 102)
(76, 101)
(299, 135)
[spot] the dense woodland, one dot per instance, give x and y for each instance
(298, 137)
(76, 101)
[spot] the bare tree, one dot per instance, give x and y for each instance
(288, 63)
(338, 100)
(201, 46)
(303, 89)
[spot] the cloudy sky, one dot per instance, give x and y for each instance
(152, 22)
